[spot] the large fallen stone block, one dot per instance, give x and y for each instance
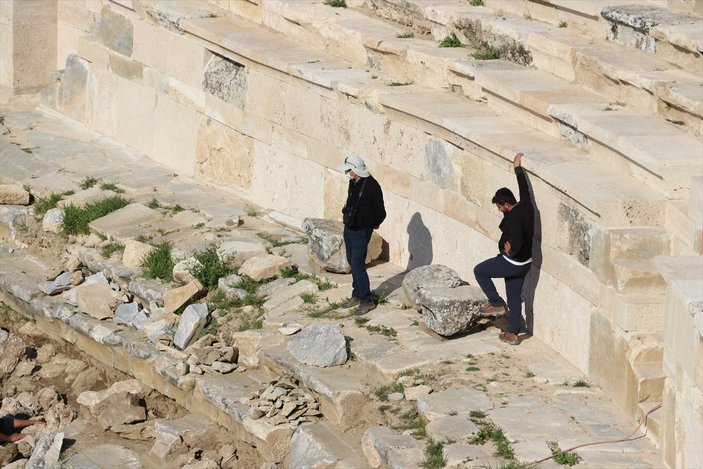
(192, 319)
(286, 293)
(118, 409)
(10, 219)
(448, 311)
(46, 451)
(326, 246)
(96, 300)
(319, 345)
(237, 252)
(377, 442)
(13, 194)
(263, 267)
(318, 445)
(428, 276)
(135, 252)
(180, 296)
(175, 436)
(104, 457)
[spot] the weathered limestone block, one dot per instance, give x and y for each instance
(378, 441)
(148, 291)
(448, 311)
(68, 93)
(118, 409)
(114, 31)
(46, 451)
(181, 271)
(263, 267)
(10, 218)
(456, 401)
(174, 436)
(90, 399)
(174, 299)
(135, 252)
(326, 246)
(61, 283)
(451, 428)
(428, 276)
(104, 457)
(237, 252)
(317, 445)
(126, 312)
(192, 319)
(289, 292)
(96, 300)
(228, 286)
(53, 220)
(12, 350)
(320, 345)
(13, 194)
(272, 287)
(227, 80)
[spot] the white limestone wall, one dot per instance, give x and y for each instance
(683, 362)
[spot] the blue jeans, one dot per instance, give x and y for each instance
(356, 243)
(514, 275)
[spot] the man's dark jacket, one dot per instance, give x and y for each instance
(367, 211)
(518, 224)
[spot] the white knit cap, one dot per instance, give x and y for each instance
(356, 164)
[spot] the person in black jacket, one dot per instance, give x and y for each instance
(515, 258)
(362, 213)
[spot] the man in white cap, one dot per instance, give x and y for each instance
(362, 213)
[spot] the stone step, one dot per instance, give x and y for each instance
(687, 233)
(320, 445)
(656, 152)
(640, 80)
(638, 275)
(635, 312)
(654, 420)
(650, 382)
(671, 35)
(609, 197)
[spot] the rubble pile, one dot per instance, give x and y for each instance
(284, 402)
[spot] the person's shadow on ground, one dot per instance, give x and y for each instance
(419, 254)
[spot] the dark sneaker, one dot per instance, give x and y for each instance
(365, 307)
(350, 302)
(490, 310)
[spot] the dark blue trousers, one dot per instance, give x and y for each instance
(514, 275)
(356, 243)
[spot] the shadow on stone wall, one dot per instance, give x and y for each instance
(532, 279)
(419, 253)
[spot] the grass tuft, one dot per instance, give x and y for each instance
(581, 384)
(210, 268)
(153, 203)
(159, 263)
(88, 182)
(476, 3)
(563, 24)
(43, 205)
(337, 3)
(109, 249)
(434, 455)
(450, 41)
(486, 52)
(309, 298)
(111, 186)
(77, 218)
(567, 458)
(405, 35)
(382, 392)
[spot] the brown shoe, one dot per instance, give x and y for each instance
(490, 310)
(365, 307)
(350, 302)
(509, 338)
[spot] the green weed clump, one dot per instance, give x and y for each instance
(43, 205)
(383, 391)
(405, 35)
(486, 52)
(77, 218)
(434, 455)
(337, 3)
(210, 267)
(476, 3)
(111, 186)
(159, 263)
(109, 249)
(566, 458)
(88, 182)
(450, 41)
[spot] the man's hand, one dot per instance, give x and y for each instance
(517, 160)
(506, 248)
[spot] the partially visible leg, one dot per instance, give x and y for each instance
(19, 424)
(484, 273)
(357, 260)
(513, 289)
(349, 248)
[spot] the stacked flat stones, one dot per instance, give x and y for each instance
(217, 358)
(283, 402)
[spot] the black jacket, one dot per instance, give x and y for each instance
(518, 225)
(366, 211)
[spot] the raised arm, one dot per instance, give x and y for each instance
(521, 179)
